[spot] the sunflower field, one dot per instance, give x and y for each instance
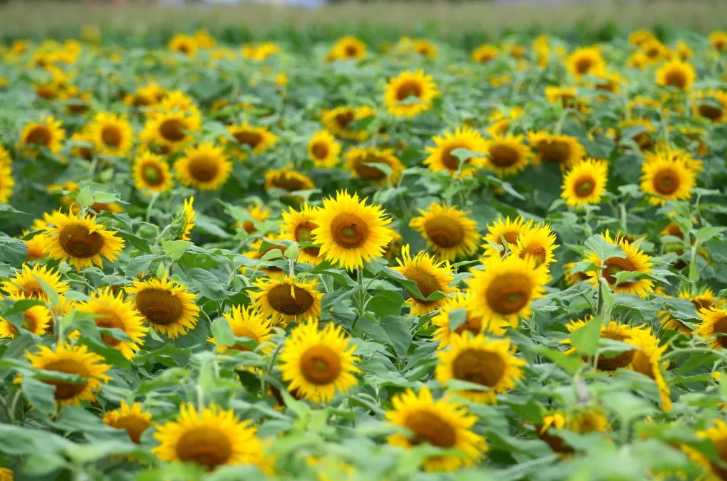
(361, 260)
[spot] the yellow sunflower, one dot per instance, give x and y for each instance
(111, 134)
(441, 159)
(165, 304)
(145, 96)
(113, 312)
(567, 97)
(424, 48)
(347, 48)
(585, 183)
(205, 167)
(35, 246)
(170, 130)
(184, 44)
(442, 423)
(491, 363)
(584, 61)
(538, 243)
(25, 282)
(634, 261)
(6, 181)
(563, 150)
(151, 173)
(447, 230)
(178, 101)
(717, 437)
(188, 219)
(349, 231)
(505, 289)
(81, 242)
(46, 134)
(644, 138)
(36, 319)
(507, 155)
(410, 93)
(609, 82)
(719, 40)
(286, 299)
(246, 321)
(502, 231)
(363, 162)
(667, 179)
(572, 278)
(258, 139)
(209, 438)
(132, 419)
(639, 37)
(319, 363)
(713, 327)
(323, 150)
(298, 226)
(393, 248)
(615, 332)
(429, 275)
(677, 73)
(702, 298)
(289, 180)
(647, 360)
(257, 213)
(586, 420)
(501, 121)
(472, 323)
(338, 121)
(261, 51)
(485, 53)
(82, 145)
(87, 368)
(6, 474)
(711, 104)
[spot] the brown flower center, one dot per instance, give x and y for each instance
(40, 135)
(290, 300)
(303, 233)
(472, 324)
(349, 230)
(288, 182)
(614, 265)
(720, 329)
(111, 136)
(666, 181)
(536, 252)
(584, 65)
(479, 367)
(444, 231)
(203, 168)
(408, 89)
(246, 137)
(509, 293)
(110, 320)
(620, 360)
(555, 151)
(320, 365)
(172, 130)
(66, 390)
(79, 242)
(344, 118)
(206, 446)
(503, 156)
(368, 172)
(584, 186)
(425, 281)
(320, 150)
(428, 427)
(450, 161)
(710, 111)
(159, 306)
(351, 51)
(676, 78)
(153, 175)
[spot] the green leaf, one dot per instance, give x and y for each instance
(399, 334)
(39, 394)
(386, 303)
(604, 250)
(208, 284)
(222, 332)
(176, 248)
(708, 233)
(585, 339)
(457, 317)
(13, 251)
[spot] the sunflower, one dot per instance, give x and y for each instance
(349, 231)
(205, 167)
(505, 289)
(616, 332)
(170, 130)
(441, 159)
(410, 93)
(585, 183)
(260, 52)
(323, 150)
(36, 319)
(502, 121)
(639, 37)
(584, 61)
(713, 327)
(362, 162)
(178, 101)
(145, 96)
(507, 155)
(338, 121)
(643, 138)
(480, 360)
(677, 73)
(609, 82)
(566, 97)
(572, 278)
(246, 321)
(82, 145)
(634, 261)
(184, 44)
(647, 360)
(6, 181)
(25, 283)
(347, 48)
(586, 420)
(165, 304)
(286, 299)
(319, 363)
(501, 231)
(257, 213)
(257, 139)
(485, 53)
(298, 226)
(424, 48)
(188, 219)
(711, 104)
(442, 423)
(702, 299)
(538, 242)
(81, 242)
(133, 419)
(35, 246)
(6, 474)
(429, 276)
(289, 180)
(472, 324)
(87, 368)
(46, 134)
(113, 312)
(667, 179)
(717, 437)
(563, 150)
(151, 173)
(111, 134)
(719, 40)
(209, 438)
(447, 230)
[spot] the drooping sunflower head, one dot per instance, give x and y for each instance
(170, 130)
(347, 48)
(410, 93)
(81, 242)
(370, 163)
(584, 61)
(472, 324)
(25, 283)
(442, 424)
(47, 134)
(537, 243)
(447, 230)
(667, 178)
(288, 180)
(132, 419)
(562, 150)
(713, 327)
(702, 298)
(323, 150)
(210, 438)
(165, 304)
(184, 44)
(349, 231)
(442, 159)
(151, 173)
(633, 260)
(507, 155)
(678, 74)
(429, 276)
(287, 299)
(485, 53)
(36, 320)
(87, 368)
(712, 105)
(491, 363)
(504, 232)
(339, 121)
(319, 363)
(205, 167)
(298, 226)
(111, 134)
(257, 139)
(585, 183)
(246, 321)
